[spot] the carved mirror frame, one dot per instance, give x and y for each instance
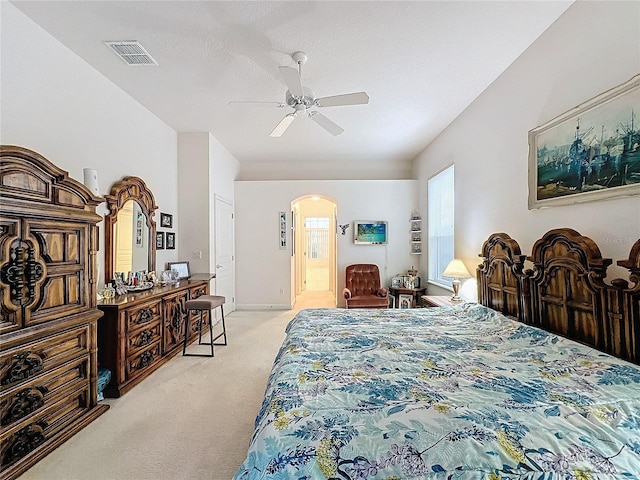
(129, 188)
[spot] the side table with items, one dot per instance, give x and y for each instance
(400, 295)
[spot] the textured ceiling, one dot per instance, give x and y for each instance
(421, 63)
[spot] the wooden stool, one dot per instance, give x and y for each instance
(202, 303)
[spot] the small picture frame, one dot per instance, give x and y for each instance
(166, 220)
(184, 272)
(171, 241)
(397, 282)
(405, 301)
(160, 240)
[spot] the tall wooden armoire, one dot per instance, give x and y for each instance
(48, 315)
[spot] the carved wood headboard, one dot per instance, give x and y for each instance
(565, 291)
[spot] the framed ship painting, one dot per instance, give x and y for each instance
(589, 153)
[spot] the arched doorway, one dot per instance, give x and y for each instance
(315, 251)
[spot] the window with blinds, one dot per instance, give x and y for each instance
(317, 237)
(440, 204)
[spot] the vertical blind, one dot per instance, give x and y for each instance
(317, 229)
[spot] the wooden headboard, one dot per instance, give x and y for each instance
(565, 291)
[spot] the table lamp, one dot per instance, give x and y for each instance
(456, 270)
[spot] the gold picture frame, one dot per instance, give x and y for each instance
(591, 152)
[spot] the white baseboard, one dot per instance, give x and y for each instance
(282, 306)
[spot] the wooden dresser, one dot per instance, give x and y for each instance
(141, 331)
(48, 315)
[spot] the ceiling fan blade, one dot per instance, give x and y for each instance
(292, 79)
(359, 98)
(251, 102)
(324, 122)
(283, 125)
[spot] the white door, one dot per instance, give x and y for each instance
(225, 261)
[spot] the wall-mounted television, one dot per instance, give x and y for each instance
(368, 232)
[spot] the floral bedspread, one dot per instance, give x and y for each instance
(457, 392)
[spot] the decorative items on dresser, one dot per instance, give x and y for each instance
(48, 315)
(142, 331)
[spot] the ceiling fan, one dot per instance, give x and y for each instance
(302, 99)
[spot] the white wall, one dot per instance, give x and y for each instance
(593, 47)
(56, 104)
(207, 170)
(262, 269)
(195, 211)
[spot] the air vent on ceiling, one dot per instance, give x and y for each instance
(132, 53)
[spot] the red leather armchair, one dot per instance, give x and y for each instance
(362, 287)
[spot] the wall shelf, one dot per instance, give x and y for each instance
(415, 229)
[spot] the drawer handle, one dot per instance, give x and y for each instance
(24, 441)
(24, 366)
(146, 315)
(146, 359)
(25, 402)
(145, 338)
(22, 270)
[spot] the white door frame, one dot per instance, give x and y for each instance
(298, 259)
(224, 252)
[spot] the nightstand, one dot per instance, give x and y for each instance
(415, 292)
(437, 301)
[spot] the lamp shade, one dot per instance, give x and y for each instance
(91, 180)
(456, 269)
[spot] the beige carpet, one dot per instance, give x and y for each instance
(191, 419)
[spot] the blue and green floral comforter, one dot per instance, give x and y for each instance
(456, 392)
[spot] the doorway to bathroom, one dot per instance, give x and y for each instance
(315, 251)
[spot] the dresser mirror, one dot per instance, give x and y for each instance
(130, 229)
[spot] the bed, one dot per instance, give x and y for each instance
(539, 380)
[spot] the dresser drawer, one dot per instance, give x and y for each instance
(24, 437)
(23, 363)
(142, 338)
(137, 364)
(28, 398)
(195, 292)
(142, 316)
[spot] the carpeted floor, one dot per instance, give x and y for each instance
(191, 419)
